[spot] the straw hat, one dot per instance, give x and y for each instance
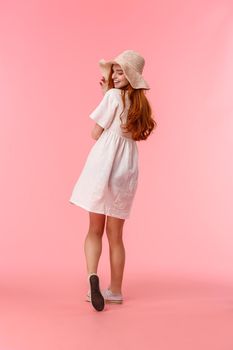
(132, 64)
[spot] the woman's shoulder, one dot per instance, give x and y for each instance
(113, 95)
(113, 92)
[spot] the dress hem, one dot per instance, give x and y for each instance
(98, 212)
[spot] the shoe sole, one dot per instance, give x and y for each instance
(97, 299)
(107, 301)
(113, 301)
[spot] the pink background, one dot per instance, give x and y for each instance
(181, 222)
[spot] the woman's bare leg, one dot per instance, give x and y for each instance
(93, 241)
(114, 230)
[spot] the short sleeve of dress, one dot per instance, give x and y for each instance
(105, 112)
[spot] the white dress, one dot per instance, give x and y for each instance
(108, 181)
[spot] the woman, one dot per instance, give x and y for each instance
(108, 181)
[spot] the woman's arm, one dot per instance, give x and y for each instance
(96, 131)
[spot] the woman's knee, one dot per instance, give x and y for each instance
(96, 225)
(114, 230)
(95, 232)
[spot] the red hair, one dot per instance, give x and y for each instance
(140, 121)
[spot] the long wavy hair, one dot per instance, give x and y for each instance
(140, 121)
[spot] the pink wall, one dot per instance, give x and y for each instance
(181, 221)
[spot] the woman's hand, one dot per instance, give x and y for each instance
(124, 128)
(104, 85)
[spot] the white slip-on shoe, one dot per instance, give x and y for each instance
(112, 298)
